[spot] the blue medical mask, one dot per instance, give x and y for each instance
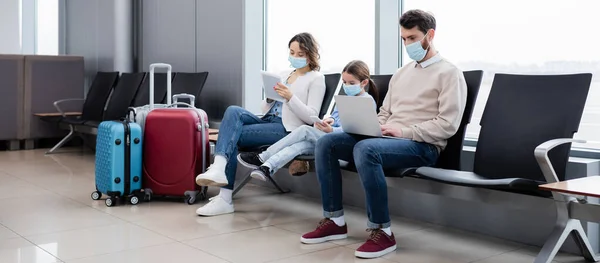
(352, 90)
(415, 50)
(297, 62)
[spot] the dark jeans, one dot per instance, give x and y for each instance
(371, 156)
(241, 128)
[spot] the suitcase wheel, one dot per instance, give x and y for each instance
(190, 197)
(110, 201)
(147, 194)
(134, 200)
(96, 195)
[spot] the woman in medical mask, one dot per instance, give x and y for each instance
(356, 82)
(303, 89)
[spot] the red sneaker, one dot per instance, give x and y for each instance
(326, 231)
(378, 244)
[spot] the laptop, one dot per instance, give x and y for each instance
(358, 116)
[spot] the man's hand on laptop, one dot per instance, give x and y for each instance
(388, 130)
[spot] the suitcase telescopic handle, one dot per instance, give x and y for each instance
(153, 67)
(191, 97)
(180, 103)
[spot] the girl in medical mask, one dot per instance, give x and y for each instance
(356, 82)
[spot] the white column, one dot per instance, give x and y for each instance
(10, 32)
(387, 36)
(253, 52)
(123, 30)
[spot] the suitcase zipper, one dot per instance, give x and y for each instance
(127, 148)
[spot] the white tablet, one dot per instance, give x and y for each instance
(315, 119)
(270, 80)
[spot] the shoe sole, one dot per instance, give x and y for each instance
(322, 239)
(361, 254)
(247, 165)
(216, 214)
(209, 182)
(258, 176)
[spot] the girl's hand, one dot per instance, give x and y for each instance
(324, 127)
(329, 121)
(284, 91)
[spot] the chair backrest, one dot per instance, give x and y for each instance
(122, 95)
(522, 112)
(102, 86)
(142, 97)
(190, 83)
(332, 81)
(450, 156)
(382, 82)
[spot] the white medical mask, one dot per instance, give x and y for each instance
(415, 50)
(352, 90)
(297, 62)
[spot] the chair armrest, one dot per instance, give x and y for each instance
(58, 102)
(541, 155)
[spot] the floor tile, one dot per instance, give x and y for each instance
(52, 222)
(257, 245)
(186, 227)
(46, 204)
(97, 240)
(446, 245)
(512, 257)
(560, 257)
(174, 252)
(277, 209)
(333, 255)
(357, 225)
(19, 250)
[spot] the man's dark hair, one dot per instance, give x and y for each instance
(419, 18)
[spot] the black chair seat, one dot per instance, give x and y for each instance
(94, 124)
(474, 180)
(75, 120)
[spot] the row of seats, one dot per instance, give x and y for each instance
(525, 140)
(30, 83)
(111, 94)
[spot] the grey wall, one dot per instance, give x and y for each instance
(89, 27)
(9, 27)
(194, 36)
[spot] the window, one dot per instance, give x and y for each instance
(515, 36)
(47, 27)
(344, 29)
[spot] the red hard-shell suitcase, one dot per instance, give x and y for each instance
(176, 150)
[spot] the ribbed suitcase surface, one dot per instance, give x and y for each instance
(111, 155)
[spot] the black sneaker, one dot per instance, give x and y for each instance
(261, 173)
(249, 160)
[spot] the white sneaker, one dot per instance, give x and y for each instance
(212, 177)
(216, 206)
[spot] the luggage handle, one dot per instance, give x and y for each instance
(131, 110)
(169, 71)
(181, 103)
(184, 96)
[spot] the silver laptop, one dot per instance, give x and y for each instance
(358, 116)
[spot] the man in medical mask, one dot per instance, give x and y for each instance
(422, 109)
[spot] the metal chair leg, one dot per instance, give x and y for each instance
(558, 237)
(277, 185)
(63, 141)
(246, 179)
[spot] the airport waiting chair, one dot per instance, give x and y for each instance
(189, 83)
(93, 106)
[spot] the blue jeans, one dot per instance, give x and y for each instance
(371, 156)
(241, 128)
(301, 141)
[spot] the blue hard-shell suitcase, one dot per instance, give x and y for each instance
(118, 162)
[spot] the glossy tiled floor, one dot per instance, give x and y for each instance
(47, 215)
